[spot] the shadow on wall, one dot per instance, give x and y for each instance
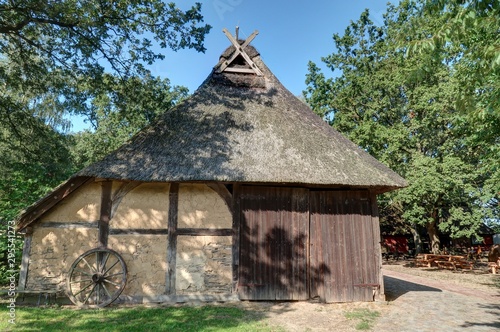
(273, 265)
(192, 141)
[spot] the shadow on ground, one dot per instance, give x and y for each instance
(395, 288)
(492, 309)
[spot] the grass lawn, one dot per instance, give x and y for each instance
(176, 318)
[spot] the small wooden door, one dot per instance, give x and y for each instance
(274, 243)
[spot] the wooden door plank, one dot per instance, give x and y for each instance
(269, 217)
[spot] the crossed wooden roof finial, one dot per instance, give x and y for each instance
(239, 50)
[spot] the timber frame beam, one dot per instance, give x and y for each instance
(172, 238)
(240, 50)
(46, 203)
(105, 215)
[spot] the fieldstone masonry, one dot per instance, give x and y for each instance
(203, 265)
(53, 252)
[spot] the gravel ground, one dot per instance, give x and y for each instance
(478, 278)
(418, 299)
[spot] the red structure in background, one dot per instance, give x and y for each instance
(395, 244)
(485, 244)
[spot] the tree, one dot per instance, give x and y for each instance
(50, 49)
(401, 108)
(59, 58)
(29, 167)
(473, 24)
(54, 56)
(120, 108)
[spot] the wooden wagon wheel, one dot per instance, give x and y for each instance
(96, 278)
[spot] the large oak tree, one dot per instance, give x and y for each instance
(402, 107)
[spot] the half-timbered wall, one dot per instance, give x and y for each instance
(138, 232)
(139, 219)
(61, 236)
(203, 245)
(182, 240)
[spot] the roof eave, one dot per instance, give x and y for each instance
(37, 209)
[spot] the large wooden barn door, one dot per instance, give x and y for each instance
(343, 264)
(274, 244)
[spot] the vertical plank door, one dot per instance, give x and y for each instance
(274, 243)
(344, 261)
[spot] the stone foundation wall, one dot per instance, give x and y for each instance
(53, 251)
(203, 265)
(145, 257)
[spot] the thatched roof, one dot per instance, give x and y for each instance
(240, 127)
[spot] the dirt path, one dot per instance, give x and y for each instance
(414, 303)
(419, 304)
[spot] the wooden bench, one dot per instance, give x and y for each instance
(464, 264)
(446, 264)
(47, 293)
(426, 260)
(494, 267)
(443, 261)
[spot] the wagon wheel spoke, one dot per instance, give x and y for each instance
(106, 290)
(84, 288)
(87, 263)
(82, 272)
(113, 283)
(93, 264)
(112, 266)
(97, 294)
(104, 262)
(88, 296)
(77, 281)
(113, 275)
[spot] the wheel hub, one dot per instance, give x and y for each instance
(97, 278)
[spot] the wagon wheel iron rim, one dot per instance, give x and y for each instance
(96, 278)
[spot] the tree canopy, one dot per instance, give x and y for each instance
(50, 49)
(90, 58)
(59, 58)
(403, 107)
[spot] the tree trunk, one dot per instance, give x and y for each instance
(433, 234)
(416, 239)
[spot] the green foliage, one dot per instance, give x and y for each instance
(473, 26)
(59, 58)
(34, 159)
(365, 318)
(50, 49)
(119, 108)
(401, 108)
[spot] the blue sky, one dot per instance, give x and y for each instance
(291, 33)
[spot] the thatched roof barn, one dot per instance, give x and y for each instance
(240, 191)
(244, 128)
